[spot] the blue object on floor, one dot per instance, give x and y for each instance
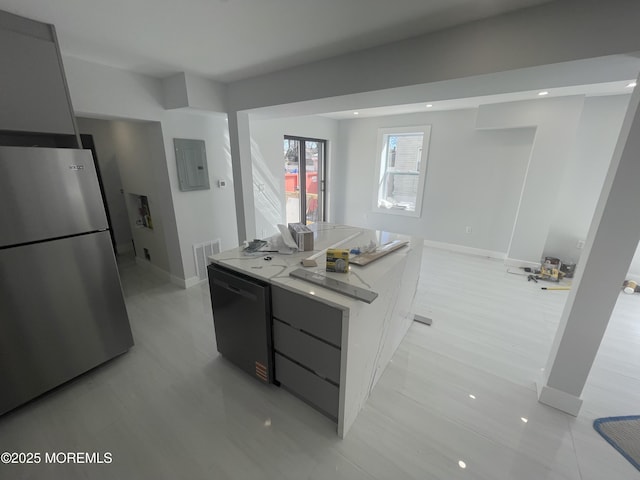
(623, 433)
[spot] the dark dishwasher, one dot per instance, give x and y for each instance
(242, 320)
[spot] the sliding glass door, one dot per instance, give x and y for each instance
(304, 179)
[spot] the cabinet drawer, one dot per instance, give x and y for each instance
(309, 315)
(314, 354)
(310, 387)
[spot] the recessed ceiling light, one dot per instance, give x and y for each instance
(543, 93)
(461, 464)
(429, 105)
(356, 113)
(631, 85)
(472, 396)
(524, 419)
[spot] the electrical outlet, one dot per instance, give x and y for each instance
(580, 244)
(468, 229)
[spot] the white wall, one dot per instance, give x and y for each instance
(634, 269)
(107, 92)
(165, 201)
(102, 134)
(473, 179)
(202, 215)
(476, 177)
(267, 137)
(129, 150)
(136, 164)
(550, 33)
(186, 90)
(187, 217)
(584, 175)
(98, 90)
(206, 94)
(556, 123)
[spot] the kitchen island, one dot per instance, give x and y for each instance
(328, 348)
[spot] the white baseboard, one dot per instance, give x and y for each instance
(563, 401)
(147, 265)
(462, 249)
(514, 262)
(186, 283)
(635, 276)
(178, 281)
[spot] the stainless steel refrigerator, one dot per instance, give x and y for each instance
(62, 310)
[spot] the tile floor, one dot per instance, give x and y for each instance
(456, 394)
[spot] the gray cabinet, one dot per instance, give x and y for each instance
(33, 94)
(319, 357)
(307, 343)
(311, 388)
(311, 316)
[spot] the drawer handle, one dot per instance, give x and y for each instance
(233, 289)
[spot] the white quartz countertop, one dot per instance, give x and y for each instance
(276, 270)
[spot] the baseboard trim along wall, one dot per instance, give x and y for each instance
(189, 282)
(463, 249)
(182, 283)
(514, 262)
(147, 265)
(558, 399)
(635, 276)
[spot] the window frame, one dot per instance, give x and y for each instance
(383, 134)
(322, 175)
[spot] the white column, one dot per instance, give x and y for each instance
(610, 246)
(240, 144)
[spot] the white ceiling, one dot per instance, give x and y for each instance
(609, 75)
(591, 90)
(228, 40)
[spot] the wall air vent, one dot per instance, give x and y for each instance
(200, 253)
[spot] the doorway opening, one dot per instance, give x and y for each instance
(304, 179)
(89, 144)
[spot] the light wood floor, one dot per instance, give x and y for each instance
(457, 391)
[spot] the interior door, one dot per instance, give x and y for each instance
(304, 166)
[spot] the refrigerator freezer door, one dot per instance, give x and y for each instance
(47, 193)
(61, 313)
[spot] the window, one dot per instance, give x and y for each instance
(401, 169)
(304, 167)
